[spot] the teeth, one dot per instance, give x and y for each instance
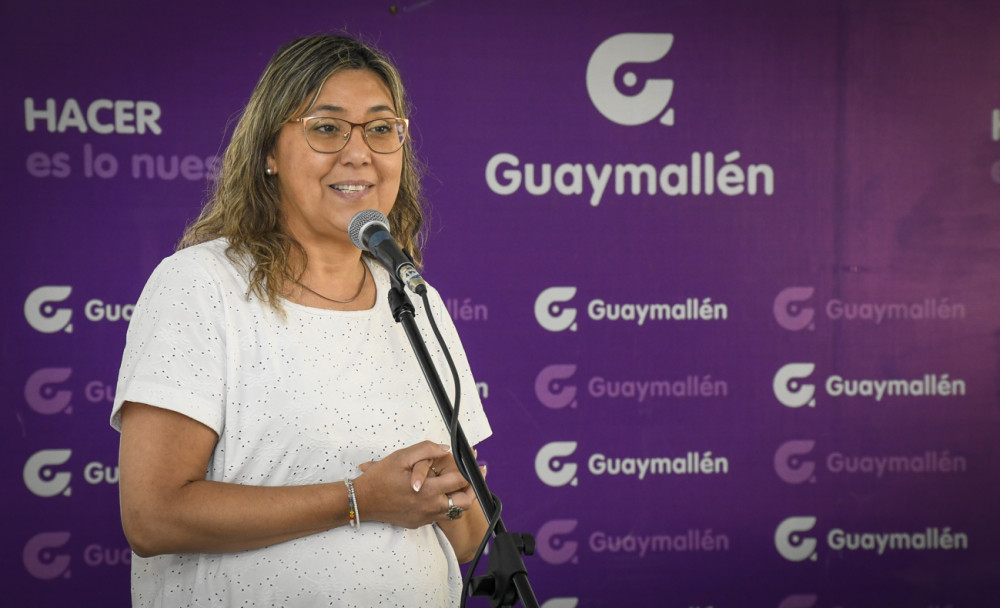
(348, 188)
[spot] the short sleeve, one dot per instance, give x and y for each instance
(175, 349)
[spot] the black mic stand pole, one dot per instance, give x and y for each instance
(506, 567)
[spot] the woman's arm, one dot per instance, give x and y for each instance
(169, 507)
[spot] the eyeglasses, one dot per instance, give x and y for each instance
(327, 135)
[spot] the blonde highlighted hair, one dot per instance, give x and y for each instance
(244, 206)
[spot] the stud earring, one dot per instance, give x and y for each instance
(269, 171)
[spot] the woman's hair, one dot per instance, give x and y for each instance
(244, 206)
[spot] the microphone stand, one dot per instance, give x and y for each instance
(507, 578)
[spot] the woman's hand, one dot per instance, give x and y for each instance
(441, 466)
(417, 482)
(401, 489)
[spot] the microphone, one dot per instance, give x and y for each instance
(369, 231)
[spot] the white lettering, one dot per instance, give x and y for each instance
(504, 176)
(573, 171)
(881, 542)
(31, 114)
(636, 172)
(96, 473)
(537, 189)
(930, 385)
(690, 463)
(598, 182)
(96, 310)
(689, 310)
(127, 117)
(512, 176)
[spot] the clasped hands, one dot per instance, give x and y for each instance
(414, 486)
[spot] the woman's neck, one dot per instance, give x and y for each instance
(332, 277)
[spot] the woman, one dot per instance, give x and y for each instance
(279, 446)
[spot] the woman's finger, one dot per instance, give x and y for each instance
(425, 450)
(446, 483)
(419, 474)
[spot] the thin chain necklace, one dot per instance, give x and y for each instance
(364, 282)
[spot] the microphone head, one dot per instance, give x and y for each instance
(360, 223)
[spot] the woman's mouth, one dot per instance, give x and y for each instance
(350, 188)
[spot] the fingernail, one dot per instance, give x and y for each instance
(416, 485)
(445, 447)
(484, 470)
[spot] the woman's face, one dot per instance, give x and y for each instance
(319, 192)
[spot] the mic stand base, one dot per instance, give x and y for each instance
(505, 568)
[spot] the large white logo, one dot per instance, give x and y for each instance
(789, 542)
(550, 470)
(789, 311)
(41, 480)
(788, 388)
(40, 313)
(550, 314)
(602, 86)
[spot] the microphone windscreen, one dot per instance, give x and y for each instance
(360, 221)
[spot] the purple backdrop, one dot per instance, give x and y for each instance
(726, 272)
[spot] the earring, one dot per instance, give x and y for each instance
(269, 171)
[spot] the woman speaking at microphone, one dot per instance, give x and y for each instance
(279, 446)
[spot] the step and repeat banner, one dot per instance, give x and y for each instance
(727, 273)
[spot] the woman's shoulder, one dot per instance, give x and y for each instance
(208, 257)
(202, 254)
(205, 263)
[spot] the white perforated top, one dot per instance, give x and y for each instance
(300, 400)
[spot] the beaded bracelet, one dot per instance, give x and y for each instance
(352, 505)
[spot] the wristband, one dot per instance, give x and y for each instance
(352, 505)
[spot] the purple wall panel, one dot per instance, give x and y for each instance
(864, 260)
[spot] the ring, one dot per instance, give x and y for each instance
(453, 511)
(436, 472)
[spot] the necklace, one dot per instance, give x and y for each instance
(364, 282)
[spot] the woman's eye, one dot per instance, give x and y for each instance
(325, 127)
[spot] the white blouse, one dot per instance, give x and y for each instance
(303, 399)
